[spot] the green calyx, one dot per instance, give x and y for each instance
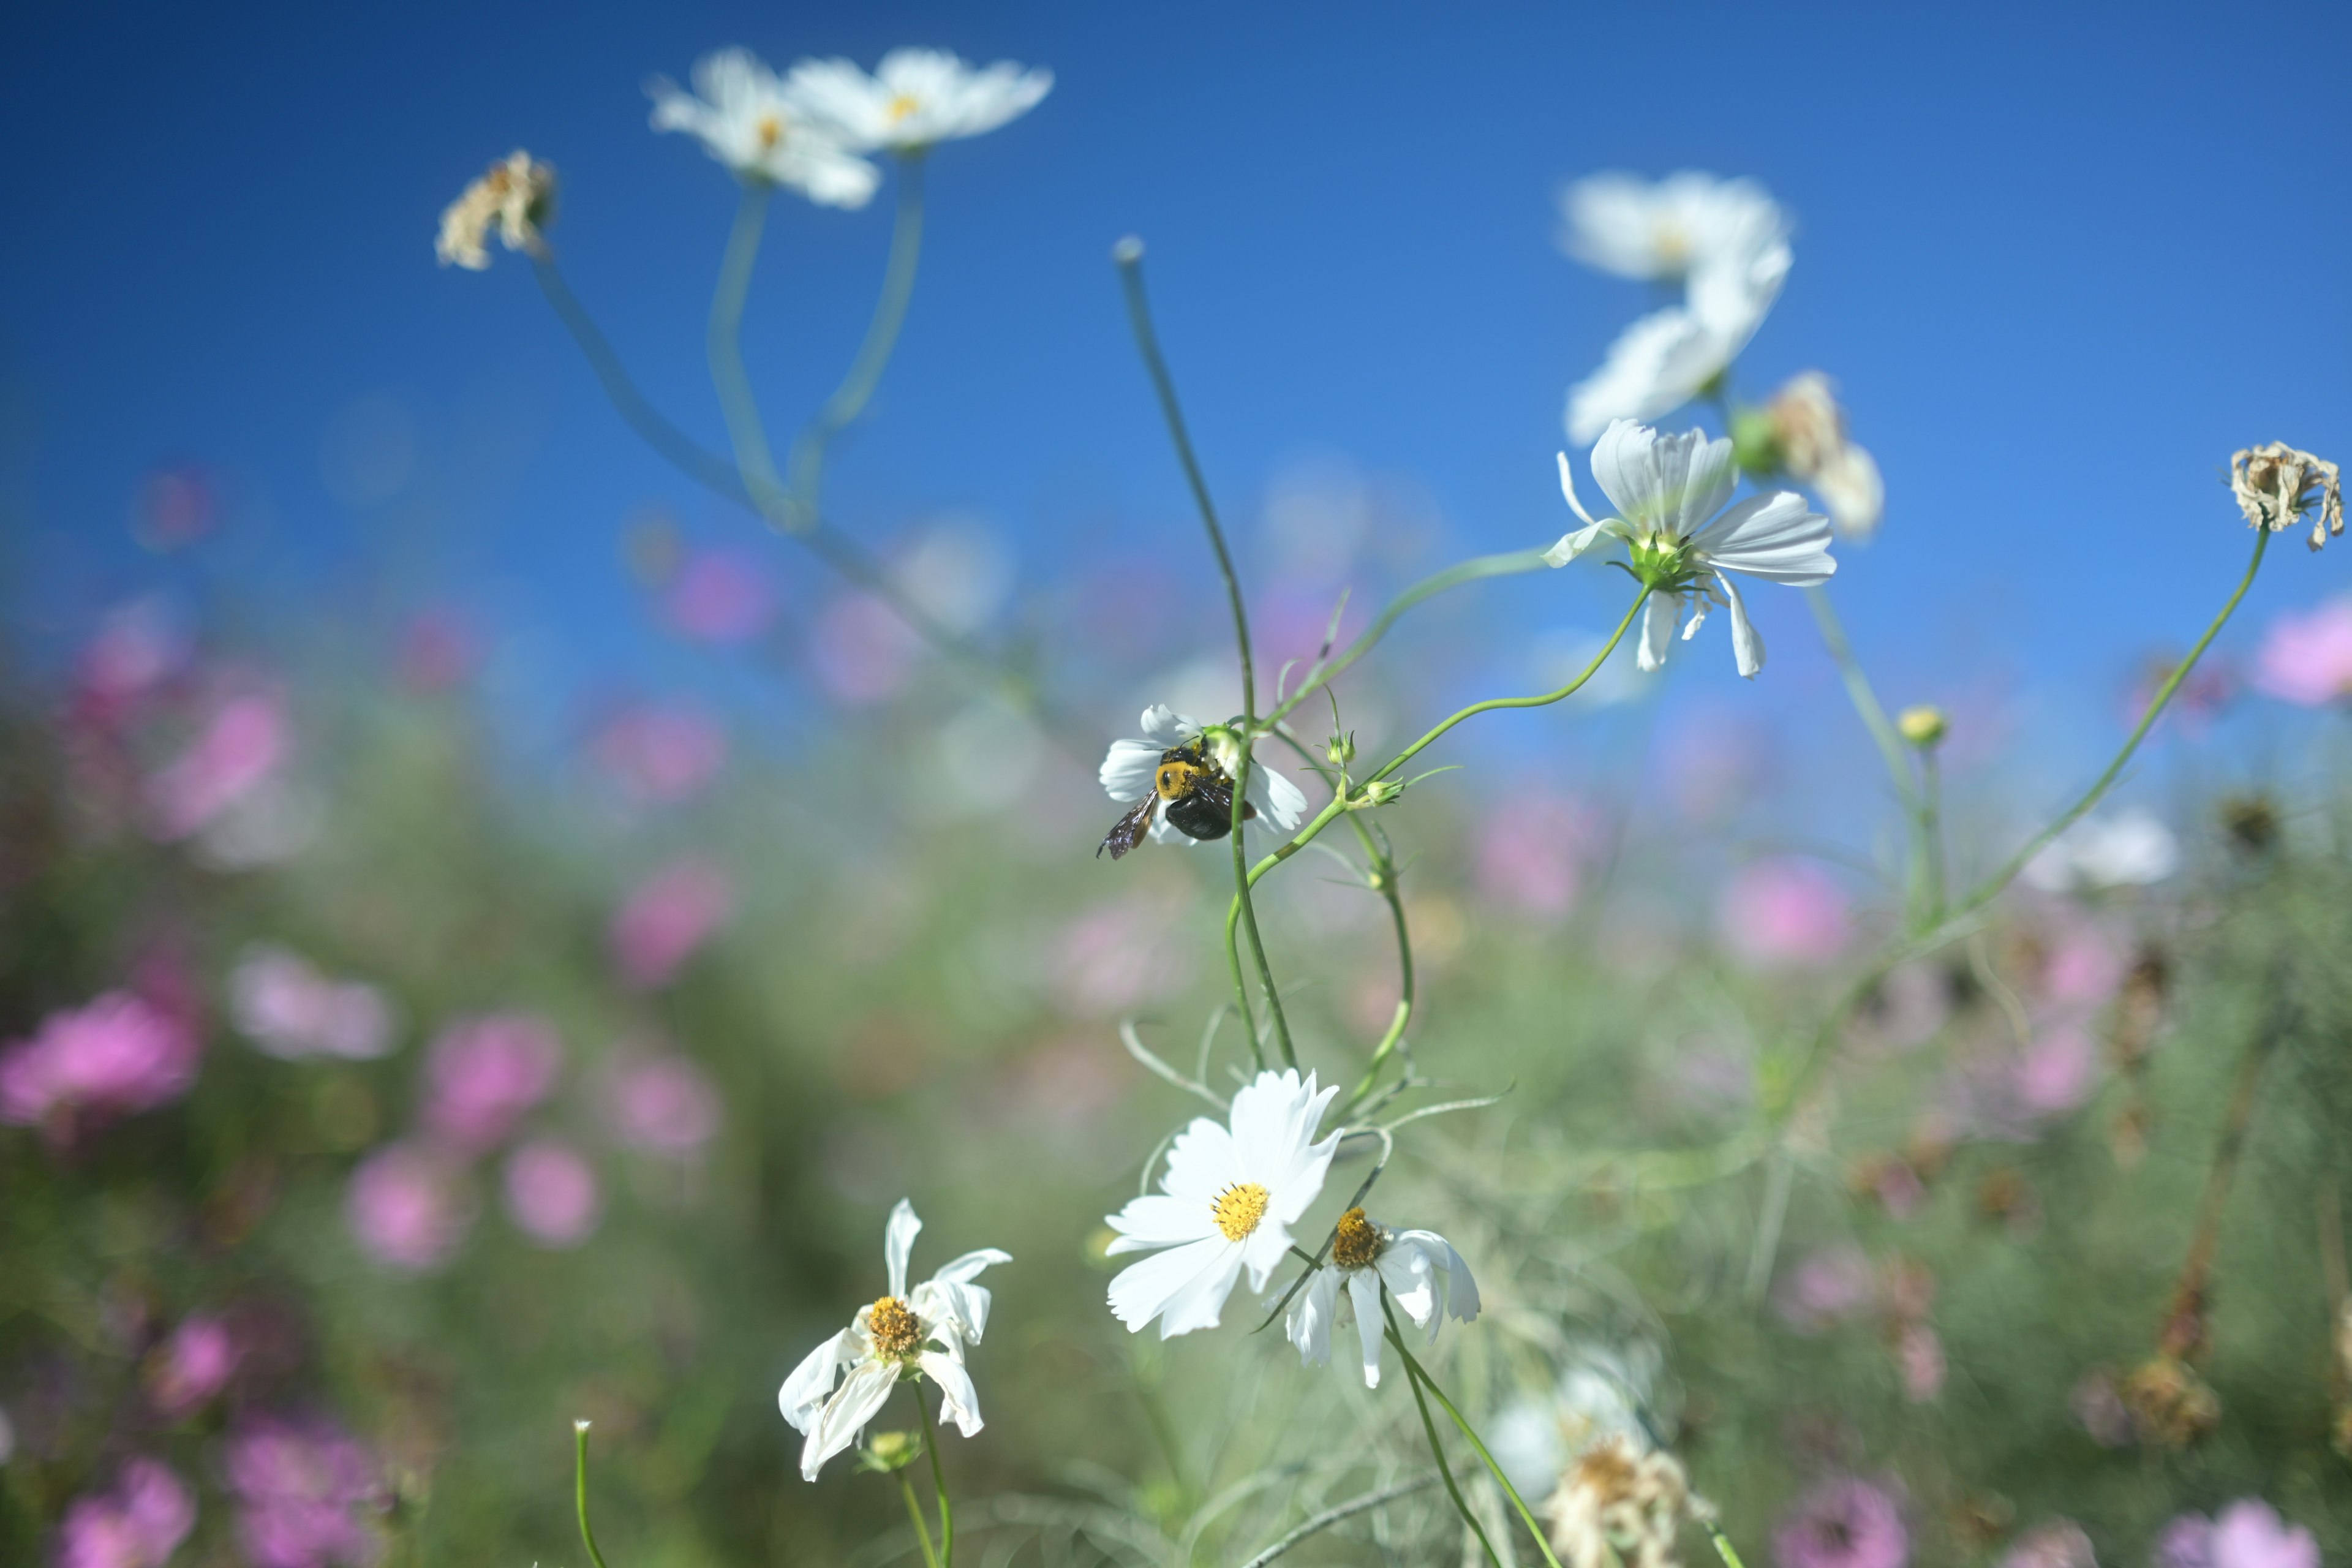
(1756, 443)
(1664, 565)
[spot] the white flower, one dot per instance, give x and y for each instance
(1670, 356)
(1420, 1268)
(2130, 849)
(739, 113)
(903, 1335)
(914, 99)
(1669, 492)
(1666, 230)
(1226, 1201)
(1808, 435)
(1130, 771)
(516, 197)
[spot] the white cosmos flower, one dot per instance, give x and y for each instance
(2130, 849)
(915, 98)
(904, 1335)
(1226, 1202)
(1669, 492)
(1130, 768)
(739, 114)
(1420, 1268)
(1667, 229)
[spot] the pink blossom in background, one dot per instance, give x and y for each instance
(1531, 853)
(241, 746)
(1785, 913)
(407, 1207)
(1113, 958)
(671, 914)
(1828, 1286)
(551, 1194)
(718, 597)
(2056, 1073)
(304, 1488)
(1898, 1188)
(439, 650)
(191, 1366)
(120, 1053)
(660, 755)
(138, 646)
(2083, 967)
(662, 1103)
(1713, 761)
(139, 1524)
(2248, 1534)
(2060, 1543)
(2307, 658)
(862, 650)
(291, 1010)
(1919, 1353)
(1842, 1523)
(483, 1073)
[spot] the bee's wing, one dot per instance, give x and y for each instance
(1128, 830)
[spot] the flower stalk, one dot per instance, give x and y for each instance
(938, 1481)
(1419, 1376)
(724, 346)
(580, 1490)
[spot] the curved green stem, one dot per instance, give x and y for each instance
(724, 345)
(1436, 1448)
(1416, 1369)
(939, 1480)
(805, 466)
(915, 1512)
(580, 1490)
(675, 445)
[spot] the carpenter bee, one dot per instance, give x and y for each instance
(1198, 795)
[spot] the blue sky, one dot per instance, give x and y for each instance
(2061, 261)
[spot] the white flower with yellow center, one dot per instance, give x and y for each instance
(914, 99)
(904, 1335)
(1662, 231)
(1131, 773)
(1419, 1267)
(516, 197)
(1226, 1202)
(1669, 492)
(739, 114)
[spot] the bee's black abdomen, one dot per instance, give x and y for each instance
(1207, 813)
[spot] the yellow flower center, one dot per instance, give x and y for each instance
(1239, 1208)
(897, 1331)
(1673, 245)
(1357, 1243)
(772, 130)
(902, 106)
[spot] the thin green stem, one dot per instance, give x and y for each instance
(1414, 1368)
(724, 345)
(1436, 1448)
(1990, 889)
(580, 1490)
(1385, 874)
(807, 464)
(1331, 1516)
(939, 1480)
(1723, 1547)
(1931, 834)
(915, 1512)
(675, 445)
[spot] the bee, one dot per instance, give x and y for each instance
(1198, 796)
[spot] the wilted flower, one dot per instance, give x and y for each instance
(1419, 1267)
(550, 1193)
(515, 197)
(2307, 658)
(407, 1207)
(1784, 912)
(291, 1010)
(2248, 1534)
(240, 747)
(118, 1053)
(2060, 1543)
(1227, 1199)
(139, 1524)
(739, 114)
(2130, 849)
(304, 1488)
(914, 99)
(662, 1103)
(1842, 1523)
(1602, 1390)
(484, 1073)
(1620, 1505)
(1801, 433)
(2276, 485)
(2170, 1405)
(189, 1367)
(1669, 492)
(902, 1336)
(671, 914)
(1660, 231)
(1130, 770)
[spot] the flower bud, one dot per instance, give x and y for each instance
(1923, 725)
(1378, 792)
(887, 1451)
(1756, 443)
(1341, 751)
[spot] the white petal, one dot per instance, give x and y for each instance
(1202, 1300)
(1568, 489)
(1850, 486)
(1130, 769)
(959, 1401)
(1364, 1292)
(1411, 1274)
(1264, 1250)
(803, 1393)
(1623, 468)
(1573, 545)
(862, 1394)
(1156, 1220)
(1746, 643)
(1656, 366)
(1777, 537)
(1265, 1116)
(1141, 1291)
(1277, 795)
(898, 1243)
(969, 1265)
(1164, 727)
(1201, 1162)
(1309, 1322)
(1456, 1291)
(1658, 618)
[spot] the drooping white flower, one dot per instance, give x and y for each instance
(1808, 435)
(1663, 230)
(2277, 486)
(1420, 1268)
(516, 197)
(1226, 1202)
(2128, 849)
(914, 99)
(1669, 492)
(905, 1334)
(1130, 770)
(739, 114)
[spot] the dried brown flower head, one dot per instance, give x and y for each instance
(515, 196)
(1618, 1505)
(2276, 485)
(2252, 823)
(2170, 1405)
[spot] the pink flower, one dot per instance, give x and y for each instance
(1842, 1523)
(1531, 854)
(1919, 1352)
(484, 1073)
(2248, 1534)
(660, 755)
(439, 650)
(718, 597)
(2307, 658)
(2060, 1543)
(241, 746)
(291, 1011)
(407, 1207)
(672, 913)
(1784, 913)
(303, 1488)
(191, 1366)
(138, 648)
(139, 1524)
(662, 1103)
(1828, 1286)
(862, 650)
(551, 1194)
(2056, 1073)
(120, 1053)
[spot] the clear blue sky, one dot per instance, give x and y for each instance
(2061, 260)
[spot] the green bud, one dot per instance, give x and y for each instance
(1380, 791)
(887, 1451)
(1923, 725)
(1341, 751)
(1756, 442)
